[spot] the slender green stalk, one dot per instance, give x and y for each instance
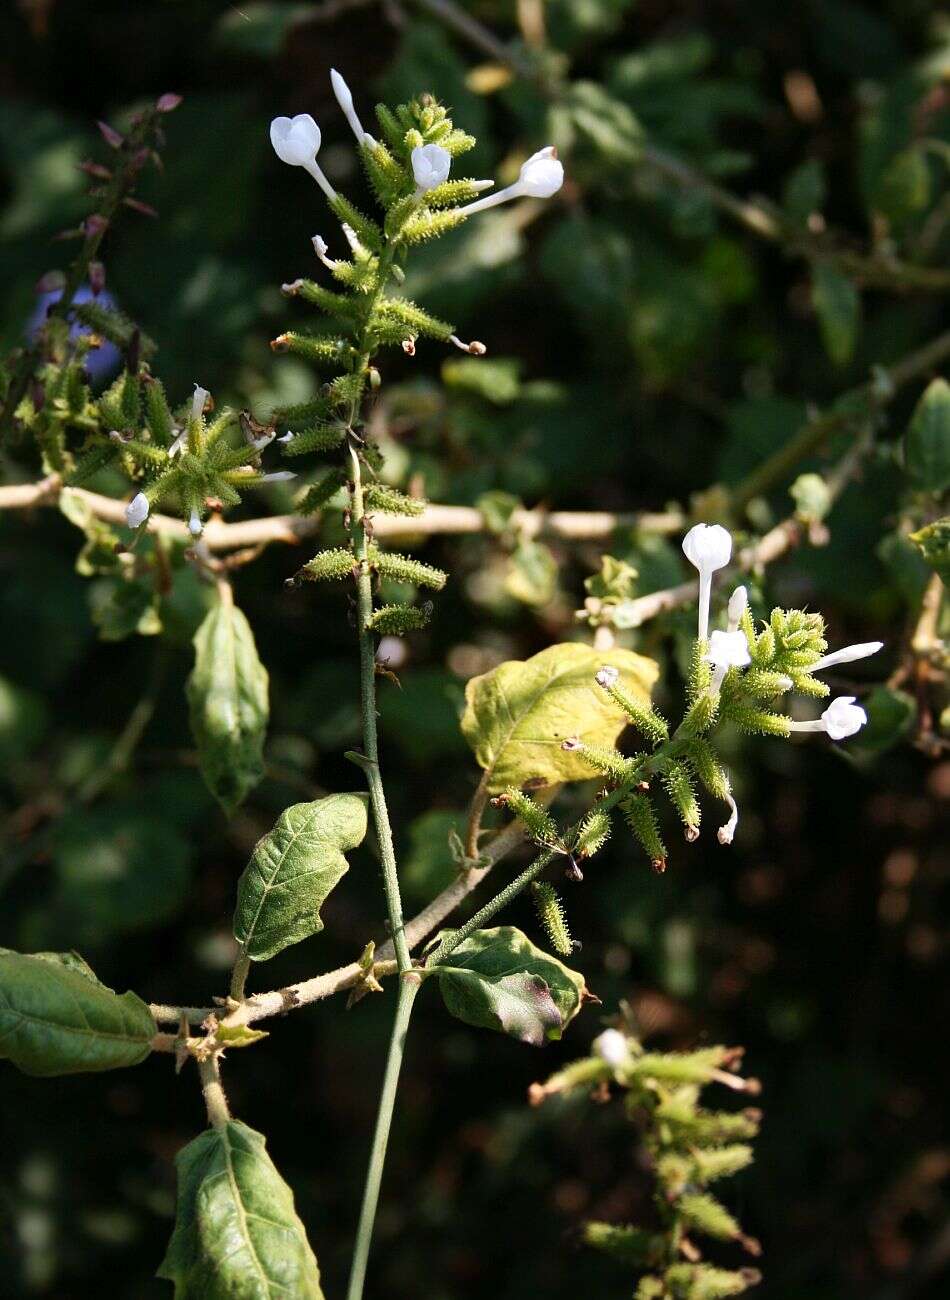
(409, 983)
(408, 989)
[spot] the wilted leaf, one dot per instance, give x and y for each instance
(293, 869)
(838, 305)
(237, 1233)
(56, 1018)
(927, 441)
(517, 716)
(498, 979)
(227, 700)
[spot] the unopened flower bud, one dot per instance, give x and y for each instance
(611, 1046)
(296, 142)
(430, 166)
(136, 512)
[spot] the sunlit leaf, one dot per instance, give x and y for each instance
(518, 715)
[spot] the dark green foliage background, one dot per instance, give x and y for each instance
(643, 348)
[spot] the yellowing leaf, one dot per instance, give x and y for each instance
(517, 716)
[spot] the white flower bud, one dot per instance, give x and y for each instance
(607, 676)
(344, 98)
(278, 476)
(430, 166)
(847, 654)
(195, 526)
(542, 175)
(611, 1046)
(198, 402)
(738, 603)
(708, 547)
(136, 512)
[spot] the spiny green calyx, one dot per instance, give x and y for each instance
(651, 725)
(593, 833)
(538, 822)
(551, 915)
(638, 810)
(610, 762)
(678, 782)
(397, 620)
(402, 568)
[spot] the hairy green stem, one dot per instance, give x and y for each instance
(409, 983)
(408, 988)
(216, 1103)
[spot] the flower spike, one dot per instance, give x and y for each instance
(296, 142)
(708, 547)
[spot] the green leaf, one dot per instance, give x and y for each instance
(498, 979)
(227, 700)
(56, 1017)
(838, 305)
(292, 871)
(927, 440)
(237, 1233)
(532, 574)
(517, 716)
(934, 544)
(805, 190)
(891, 715)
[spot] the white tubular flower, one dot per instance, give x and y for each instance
(278, 476)
(322, 248)
(258, 444)
(344, 98)
(611, 1046)
(296, 142)
(726, 834)
(540, 177)
(847, 654)
(195, 526)
(738, 602)
(708, 547)
(430, 166)
(841, 719)
(136, 512)
(726, 650)
(198, 402)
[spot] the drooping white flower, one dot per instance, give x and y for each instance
(611, 1046)
(322, 248)
(726, 833)
(708, 547)
(541, 176)
(841, 719)
(474, 349)
(296, 141)
(136, 512)
(847, 654)
(430, 166)
(344, 97)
